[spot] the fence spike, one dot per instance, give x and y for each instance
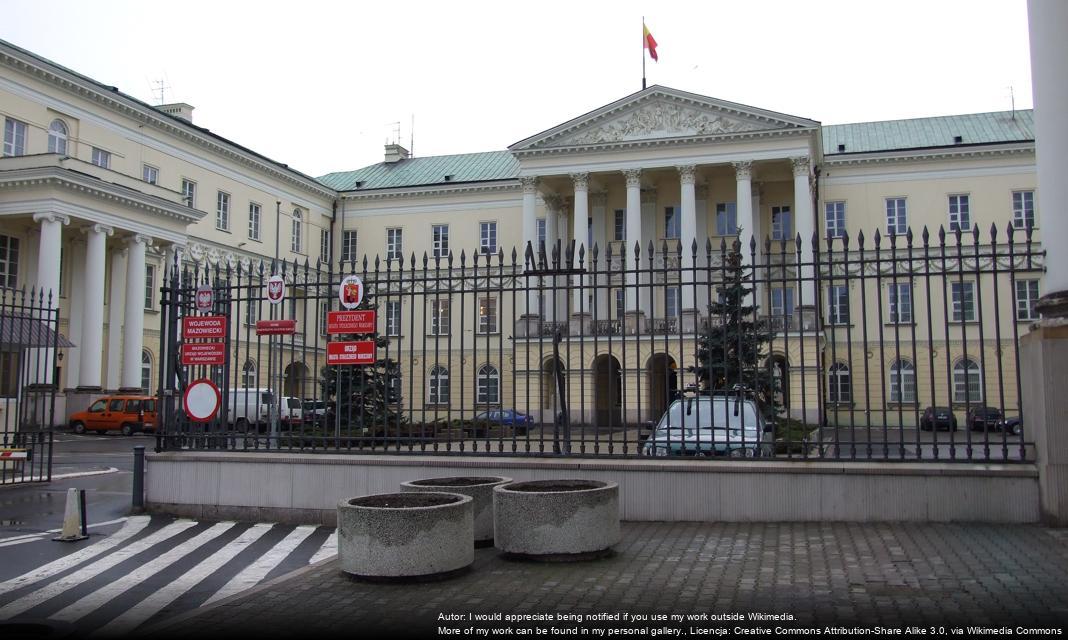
(1011, 230)
(908, 237)
(463, 258)
(878, 239)
(426, 259)
(993, 232)
(975, 233)
(942, 234)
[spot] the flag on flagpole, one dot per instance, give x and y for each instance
(649, 42)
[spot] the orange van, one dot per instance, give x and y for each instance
(125, 413)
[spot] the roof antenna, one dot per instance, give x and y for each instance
(1012, 97)
(160, 87)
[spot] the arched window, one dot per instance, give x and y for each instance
(57, 137)
(902, 381)
(489, 385)
(438, 386)
(297, 219)
(248, 375)
(967, 381)
(840, 384)
(146, 370)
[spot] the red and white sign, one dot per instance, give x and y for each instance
(13, 454)
(276, 327)
(205, 298)
(350, 293)
(276, 289)
(350, 322)
(201, 400)
(204, 327)
(208, 353)
(357, 352)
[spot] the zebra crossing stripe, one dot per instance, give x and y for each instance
(133, 526)
(255, 572)
(328, 549)
(148, 607)
(36, 537)
(52, 589)
(101, 596)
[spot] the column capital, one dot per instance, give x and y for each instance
(800, 165)
(581, 180)
(633, 176)
(599, 198)
(743, 170)
(686, 173)
(49, 216)
(99, 228)
(529, 183)
(553, 203)
(139, 238)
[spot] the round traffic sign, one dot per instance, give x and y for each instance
(276, 289)
(351, 292)
(201, 400)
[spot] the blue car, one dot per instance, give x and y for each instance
(509, 417)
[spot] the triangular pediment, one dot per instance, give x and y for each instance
(660, 113)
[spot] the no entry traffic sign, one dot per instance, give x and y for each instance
(355, 352)
(350, 322)
(201, 400)
(207, 353)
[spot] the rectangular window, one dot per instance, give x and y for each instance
(836, 222)
(1023, 209)
(189, 193)
(782, 224)
(960, 216)
(621, 303)
(619, 225)
(963, 301)
(487, 237)
(541, 232)
(1026, 297)
(439, 317)
(324, 246)
(9, 374)
(897, 222)
(150, 285)
(348, 246)
(487, 315)
(252, 310)
(672, 302)
(439, 238)
(14, 137)
(672, 223)
(394, 244)
(324, 317)
(393, 318)
(782, 302)
(589, 234)
(222, 211)
(102, 158)
(726, 219)
(9, 261)
(838, 301)
(253, 221)
(900, 299)
(149, 174)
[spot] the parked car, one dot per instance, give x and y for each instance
(504, 416)
(1012, 425)
(721, 425)
(938, 417)
(314, 411)
(984, 419)
(126, 413)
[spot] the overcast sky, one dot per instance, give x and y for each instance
(317, 85)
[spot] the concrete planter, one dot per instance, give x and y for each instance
(479, 488)
(556, 520)
(405, 536)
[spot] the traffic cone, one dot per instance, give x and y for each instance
(74, 525)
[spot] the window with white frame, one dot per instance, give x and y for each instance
(14, 137)
(1026, 297)
(297, 237)
(672, 223)
(672, 302)
(897, 222)
(101, 158)
(394, 244)
(1023, 209)
(619, 225)
(489, 385)
(439, 239)
(189, 193)
(9, 261)
(324, 317)
(782, 302)
(146, 371)
(782, 223)
(150, 285)
(836, 219)
(254, 211)
(248, 375)
(902, 381)
(621, 303)
(487, 315)
(252, 311)
(960, 216)
(324, 246)
(222, 211)
(348, 246)
(963, 301)
(438, 386)
(57, 137)
(487, 234)
(393, 318)
(541, 233)
(439, 317)
(967, 382)
(589, 235)
(900, 302)
(838, 304)
(727, 219)
(149, 174)
(840, 383)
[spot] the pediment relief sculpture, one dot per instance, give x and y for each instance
(662, 120)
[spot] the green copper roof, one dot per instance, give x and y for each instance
(432, 170)
(925, 133)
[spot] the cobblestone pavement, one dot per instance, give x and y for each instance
(928, 575)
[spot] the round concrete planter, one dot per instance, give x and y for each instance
(480, 488)
(556, 520)
(405, 536)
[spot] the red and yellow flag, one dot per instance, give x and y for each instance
(649, 43)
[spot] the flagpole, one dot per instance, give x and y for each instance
(643, 53)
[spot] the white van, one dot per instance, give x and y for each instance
(248, 408)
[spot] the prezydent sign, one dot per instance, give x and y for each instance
(203, 327)
(355, 352)
(350, 322)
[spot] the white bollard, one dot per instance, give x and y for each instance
(74, 524)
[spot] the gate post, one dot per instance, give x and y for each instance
(1043, 368)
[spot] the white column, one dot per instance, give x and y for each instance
(806, 226)
(133, 328)
(703, 234)
(743, 172)
(41, 365)
(551, 233)
(650, 235)
(92, 337)
(530, 235)
(580, 231)
(689, 233)
(634, 233)
(760, 234)
(76, 299)
(598, 209)
(555, 304)
(115, 300)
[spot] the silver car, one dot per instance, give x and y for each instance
(723, 425)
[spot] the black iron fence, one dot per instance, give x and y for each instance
(889, 347)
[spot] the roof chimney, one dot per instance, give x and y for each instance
(178, 110)
(395, 153)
